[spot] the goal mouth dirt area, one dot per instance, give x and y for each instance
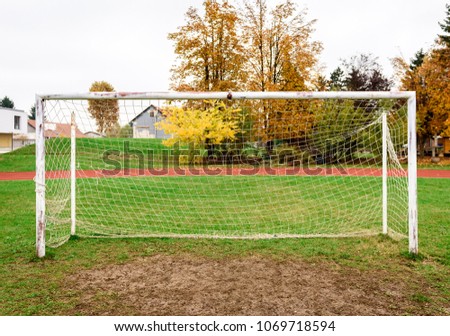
(193, 285)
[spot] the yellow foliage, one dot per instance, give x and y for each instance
(279, 50)
(430, 81)
(208, 48)
(212, 125)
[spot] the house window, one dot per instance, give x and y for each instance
(16, 122)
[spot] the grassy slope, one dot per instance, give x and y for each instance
(33, 287)
(90, 153)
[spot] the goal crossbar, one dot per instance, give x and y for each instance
(231, 95)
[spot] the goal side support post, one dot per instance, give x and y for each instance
(40, 178)
(412, 176)
(384, 172)
(73, 142)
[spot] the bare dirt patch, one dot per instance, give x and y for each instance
(253, 285)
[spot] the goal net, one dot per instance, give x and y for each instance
(218, 165)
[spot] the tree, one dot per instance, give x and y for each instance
(432, 94)
(209, 49)
(32, 115)
(441, 54)
(428, 75)
(104, 111)
(258, 50)
(364, 73)
(120, 132)
(418, 59)
(321, 83)
(280, 56)
(199, 127)
(336, 138)
(445, 26)
(280, 53)
(337, 80)
(6, 102)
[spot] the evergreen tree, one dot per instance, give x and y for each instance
(6, 102)
(337, 80)
(445, 37)
(417, 60)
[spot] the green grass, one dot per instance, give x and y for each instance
(20, 160)
(30, 286)
(232, 206)
(90, 154)
(37, 287)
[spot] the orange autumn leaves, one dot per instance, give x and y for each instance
(253, 49)
(429, 76)
(221, 48)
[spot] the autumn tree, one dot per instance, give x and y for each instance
(258, 49)
(104, 111)
(433, 101)
(199, 127)
(6, 102)
(444, 60)
(280, 56)
(209, 49)
(428, 74)
(280, 52)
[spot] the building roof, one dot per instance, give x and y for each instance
(11, 109)
(147, 110)
(56, 130)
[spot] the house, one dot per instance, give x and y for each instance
(443, 145)
(54, 130)
(92, 134)
(144, 124)
(13, 124)
(446, 145)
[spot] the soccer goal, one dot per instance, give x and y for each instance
(243, 165)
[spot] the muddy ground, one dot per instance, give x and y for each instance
(253, 285)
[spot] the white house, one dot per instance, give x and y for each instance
(13, 125)
(144, 124)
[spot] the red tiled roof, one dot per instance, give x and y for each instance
(59, 131)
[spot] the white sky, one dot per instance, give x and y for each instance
(62, 46)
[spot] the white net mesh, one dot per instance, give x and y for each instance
(284, 168)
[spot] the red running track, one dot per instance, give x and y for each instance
(223, 171)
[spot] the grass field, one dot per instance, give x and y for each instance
(226, 206)
(90, 154)
(31, 286)
(172, 276)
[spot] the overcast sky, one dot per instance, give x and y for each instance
(62, 46)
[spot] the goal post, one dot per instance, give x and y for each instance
(237, 165)
(412, 176)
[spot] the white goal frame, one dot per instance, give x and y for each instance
(412, 147)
